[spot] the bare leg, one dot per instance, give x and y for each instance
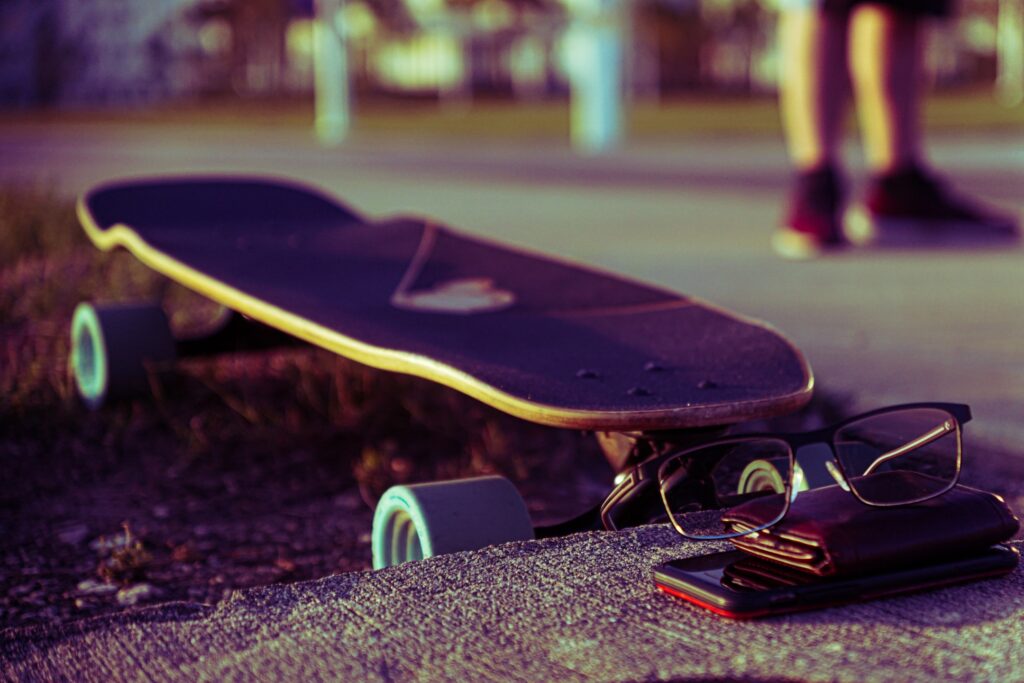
(813, 91)
(905, 200)
(885, 60)
(814, 85)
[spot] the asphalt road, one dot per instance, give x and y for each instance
(581, 608)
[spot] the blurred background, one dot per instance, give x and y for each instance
(608, 56)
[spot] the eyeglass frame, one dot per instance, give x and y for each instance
(960, 413)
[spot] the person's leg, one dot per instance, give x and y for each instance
(905, 200)
(814, 85)
(813, 92)
(885, 61)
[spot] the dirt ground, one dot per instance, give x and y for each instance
(240, 470)
(194, 498)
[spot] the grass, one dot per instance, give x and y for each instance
(34, 222)
(696, 115)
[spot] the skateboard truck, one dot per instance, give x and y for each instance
(235, 333)
(634, 500)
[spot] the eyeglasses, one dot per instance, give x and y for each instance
(922, 441)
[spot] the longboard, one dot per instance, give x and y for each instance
(536, 336)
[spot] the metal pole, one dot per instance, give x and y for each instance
(596, 55)
(330, 71)
(1010, 52)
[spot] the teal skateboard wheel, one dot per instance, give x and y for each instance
(763, 475)
(418, 521)
(812, 472)
(110, 346)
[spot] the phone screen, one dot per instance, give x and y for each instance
(735, 584)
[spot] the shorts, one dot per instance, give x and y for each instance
(918, 8)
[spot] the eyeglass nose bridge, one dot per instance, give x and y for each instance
(833, 469)
(816, 466)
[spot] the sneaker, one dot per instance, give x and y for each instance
(812, 224)
(913, 207)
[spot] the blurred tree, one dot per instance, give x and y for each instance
(672, 35)
(257, 37)
(47, 61)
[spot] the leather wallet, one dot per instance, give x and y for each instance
(828, 532)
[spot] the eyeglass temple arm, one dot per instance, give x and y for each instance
(923, 440)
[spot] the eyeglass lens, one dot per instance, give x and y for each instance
(892, 458)
(721, 476)
(901, 456)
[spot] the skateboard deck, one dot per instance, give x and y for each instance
(535, 336)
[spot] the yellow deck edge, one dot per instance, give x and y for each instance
(120, 235)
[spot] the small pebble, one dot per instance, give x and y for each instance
(73, 534)
(133, 595)
(94, 587)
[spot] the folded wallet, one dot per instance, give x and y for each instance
(828, 532)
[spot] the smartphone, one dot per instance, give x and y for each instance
(737, 585)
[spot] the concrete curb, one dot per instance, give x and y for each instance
(577, 608)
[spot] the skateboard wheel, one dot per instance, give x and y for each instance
(418, 521)
(763, 475)
(110, 346)
(767, 474)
